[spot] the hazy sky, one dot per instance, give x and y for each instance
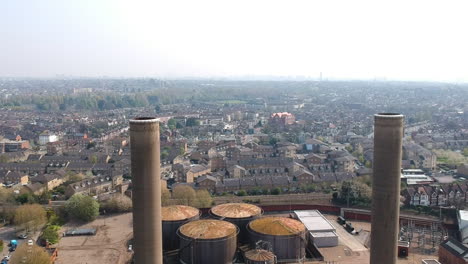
(407, 39)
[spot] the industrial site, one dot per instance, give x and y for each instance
(246, 233)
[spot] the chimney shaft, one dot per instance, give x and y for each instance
(388, 136)
(146, 181)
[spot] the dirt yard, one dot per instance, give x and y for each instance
(108, 246)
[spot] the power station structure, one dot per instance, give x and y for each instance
(147, 225)
(388, 136)
(263, 239)
(173, 217)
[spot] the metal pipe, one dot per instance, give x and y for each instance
(146, 195)
(388, 136)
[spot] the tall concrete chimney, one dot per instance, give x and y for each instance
(388, 136)
(147, 226)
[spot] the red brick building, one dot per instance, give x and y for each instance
(282, 119)
(453, 252)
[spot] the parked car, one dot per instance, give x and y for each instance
(130, 248)
(23, 236)
(30, 242)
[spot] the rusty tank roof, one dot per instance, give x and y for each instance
(208, 229)
(236, 210)
(178, 212)
(259, 255)
(277, 226)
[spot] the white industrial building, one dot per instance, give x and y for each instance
(462, 216)
(415, 176)
(46, 137)
(320, 231)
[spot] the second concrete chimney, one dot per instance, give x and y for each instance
(388, 136)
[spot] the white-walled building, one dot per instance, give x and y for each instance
(47, 137)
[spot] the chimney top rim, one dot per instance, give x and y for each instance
(388, 115)
(144, 120)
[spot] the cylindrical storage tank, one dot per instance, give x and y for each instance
(239, 214)
(259, 256)
(286, 236)
(207, 241)
(174, 217)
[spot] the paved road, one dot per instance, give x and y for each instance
(347, 239)
(8, 233)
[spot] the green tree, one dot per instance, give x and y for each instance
(157, 109)
(44, 197)
(118, 203)
(203, 199)
(184, 195)
(165, 197)
(26, 198)
(164, 154)
(74, 177)
(93, 159)
(356, 192)
(241, 193)
(3, 159)
(193, 122)
(82, 207)
(273, 141)
(368, 164)
(30, 217)
(181, 151)
(171, 123)
(50, 234)
(276, 191)
(26, 254)
(465, 152)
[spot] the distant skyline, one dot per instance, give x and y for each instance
(392, 40)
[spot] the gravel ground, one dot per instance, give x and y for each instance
(108, 246)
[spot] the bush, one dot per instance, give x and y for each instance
(26, 198)
(276, 191)
(51, 234)
(117, 204)
(241, 193)
(54, 219)
(82, 207)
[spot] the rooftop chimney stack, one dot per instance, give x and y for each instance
(146, 179)
(388, 136)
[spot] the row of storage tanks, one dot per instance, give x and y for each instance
(215, 240)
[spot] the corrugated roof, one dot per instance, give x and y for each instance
(314, 221)
(259, 255)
